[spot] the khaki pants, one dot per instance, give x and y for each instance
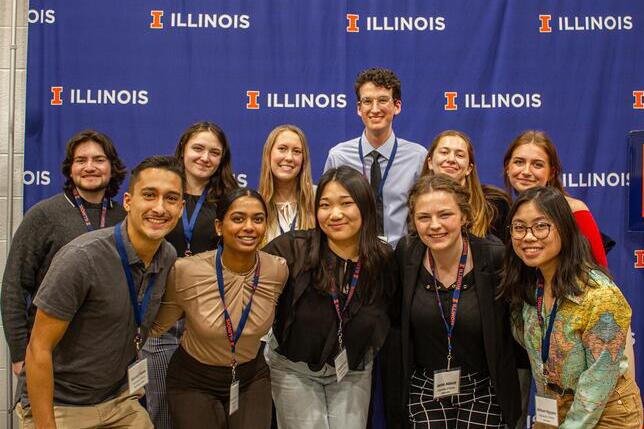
(124, 411)
(623, 409)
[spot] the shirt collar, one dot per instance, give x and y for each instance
(132, 257)
(578, 299)
(384, 150)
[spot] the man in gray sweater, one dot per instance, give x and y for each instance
(93, 173)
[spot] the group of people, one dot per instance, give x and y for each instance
(399, 291)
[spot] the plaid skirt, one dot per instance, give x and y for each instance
(476, 405)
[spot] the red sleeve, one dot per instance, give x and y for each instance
(589, 229)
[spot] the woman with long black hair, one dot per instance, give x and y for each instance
(571, 318)
(333, 315)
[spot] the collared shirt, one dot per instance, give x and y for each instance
(404, 172)
(586, 347)
(86, 285)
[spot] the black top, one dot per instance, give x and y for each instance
(398, 355)
(203, 236)
(501, 203)
(306, 323)
(429, 334)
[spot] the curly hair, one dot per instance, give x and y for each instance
(380, 77)
(118, 170)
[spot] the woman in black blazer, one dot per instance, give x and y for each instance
(466, 379)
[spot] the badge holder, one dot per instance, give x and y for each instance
(234, 392)
(137, 373)
(546, 410)
(341, 361)
(447, 382)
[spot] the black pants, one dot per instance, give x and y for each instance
(198, 394)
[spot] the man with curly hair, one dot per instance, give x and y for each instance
(93, 172)
(391, 163)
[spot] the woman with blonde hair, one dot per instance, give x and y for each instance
(285, 181)
(452, 153)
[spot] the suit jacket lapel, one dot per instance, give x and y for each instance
(485, 289)
(414, 258)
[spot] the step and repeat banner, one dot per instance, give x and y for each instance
(144, 71)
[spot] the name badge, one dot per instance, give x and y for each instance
(234, 397)
(546, 411)
(447, 383)
(341, 365)
(137, 375)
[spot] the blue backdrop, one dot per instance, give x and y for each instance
(143, 71)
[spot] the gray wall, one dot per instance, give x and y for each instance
(19, 138)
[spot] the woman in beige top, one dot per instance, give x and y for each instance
(218, 377)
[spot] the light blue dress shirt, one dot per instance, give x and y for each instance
(405, 170)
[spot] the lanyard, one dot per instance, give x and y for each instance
(292, 228)
(189, 226)
(139, 307)
(545, 339)
(336, 299)
(233, 337)
(456, 295)
(389, 164)
(83, 211)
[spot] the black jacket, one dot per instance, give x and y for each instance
(487, 255)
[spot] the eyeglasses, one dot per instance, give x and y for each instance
(368, 102)
(539, 230)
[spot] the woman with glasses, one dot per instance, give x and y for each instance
(571, 318)
(530, 161)
(452, 153)
(204, 153)
(218, 377)
(458, 362)
(333, 316)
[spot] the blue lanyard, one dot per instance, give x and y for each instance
(389, 164)
(336, 299)
(83, 211)
(456, 296)
(545, 339)
(233, 337)
(139, 307)
(292, 224)
(189, 226)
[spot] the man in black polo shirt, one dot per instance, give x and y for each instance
(95, 305)
(93, 173)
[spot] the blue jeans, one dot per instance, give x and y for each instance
(314, 399)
